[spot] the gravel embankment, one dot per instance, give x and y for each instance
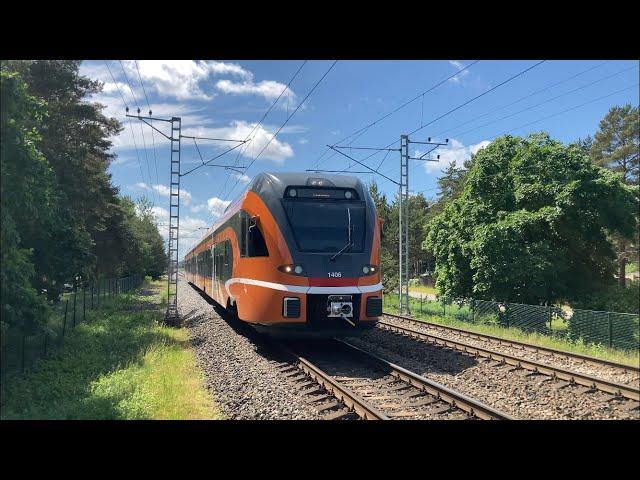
(605, 372)
(246, 384)
(513, 392)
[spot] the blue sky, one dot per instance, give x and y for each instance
(227, 99)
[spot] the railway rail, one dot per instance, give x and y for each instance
(589, 382)
(376, 389)
(516, 344)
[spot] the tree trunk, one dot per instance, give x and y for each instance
(622, 264)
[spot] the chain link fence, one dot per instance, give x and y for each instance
(611, 329)
(20, 351)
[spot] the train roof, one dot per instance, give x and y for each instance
(275, 183)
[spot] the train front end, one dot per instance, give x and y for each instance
(331, 282)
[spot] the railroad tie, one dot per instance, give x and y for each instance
(630, 406)
(337, 414)
(319, 399)
(581, 390)
(306, 384)
(312, 390)
(327, 406)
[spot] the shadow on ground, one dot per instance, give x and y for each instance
(63, 385)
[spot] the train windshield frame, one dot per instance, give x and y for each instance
(321, 226)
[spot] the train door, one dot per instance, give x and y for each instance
(214, 283)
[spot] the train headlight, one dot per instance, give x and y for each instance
(348, 194)
(369, 269)
(292, 269)
(293, 192)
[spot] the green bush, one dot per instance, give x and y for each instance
(612, 299)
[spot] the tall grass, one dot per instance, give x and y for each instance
(121, 364)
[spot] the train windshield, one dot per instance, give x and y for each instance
(324, 226)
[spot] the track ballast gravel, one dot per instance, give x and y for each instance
(606, 372)
(245, 383)
(515, 392)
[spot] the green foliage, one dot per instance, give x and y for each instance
(420, 211)
(613, 298)
(30, 209)
(617, 142)
(616, 146)
(120, 364)
(61, 215)
(531, 223)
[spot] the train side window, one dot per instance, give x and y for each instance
(228, 260)
(252, 242)
(255, 239)
(218, 259)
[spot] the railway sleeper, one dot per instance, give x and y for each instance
(319, 398)
(327, 406)
(338, 414)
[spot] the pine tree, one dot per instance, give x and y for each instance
(617, 146)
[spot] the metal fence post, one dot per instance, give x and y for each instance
(473, 311)
(75, 296)
(92, 294)
(23, 344)
(84, 304)
(64, 324)
(610, 329)
(506, 305)
(421, 297)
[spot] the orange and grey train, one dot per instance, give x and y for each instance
(295, 254)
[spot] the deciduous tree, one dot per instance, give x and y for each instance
(531, 224)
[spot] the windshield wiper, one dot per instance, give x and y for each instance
(350, 243)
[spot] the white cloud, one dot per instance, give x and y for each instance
(111, 88)
(182, 79)
(242, 178)
(163, 190)
(269, 89)
(216, 206)
(161, 214)
(455, 151)
(458, 65)
(277, 151)
(198, 208)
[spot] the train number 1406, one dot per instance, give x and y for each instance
(335, 274)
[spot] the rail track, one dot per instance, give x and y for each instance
(516, 344)
(588, 382)
(374, 388)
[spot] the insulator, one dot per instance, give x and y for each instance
(126, 109)
(138, 111)
(150, 113)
